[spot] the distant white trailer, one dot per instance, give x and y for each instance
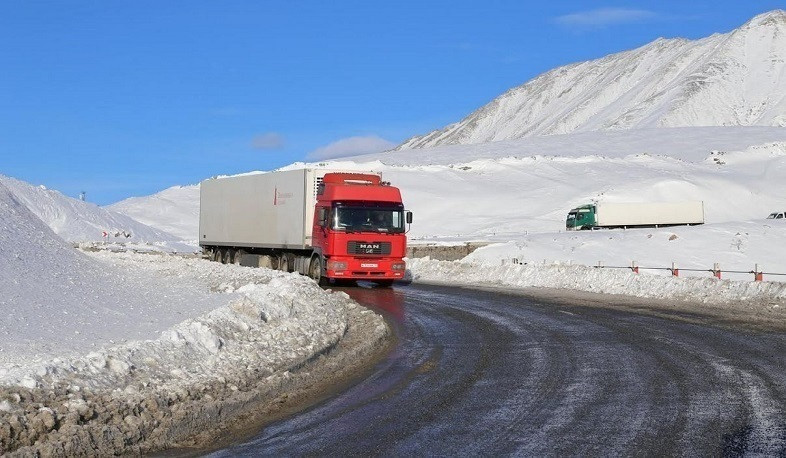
(638, 214)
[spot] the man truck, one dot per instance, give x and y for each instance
(325, 224)
(641, 214)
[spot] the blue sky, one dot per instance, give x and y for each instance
(122, 99)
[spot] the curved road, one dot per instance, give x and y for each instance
(487, 373)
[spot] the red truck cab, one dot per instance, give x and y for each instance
(359, 230)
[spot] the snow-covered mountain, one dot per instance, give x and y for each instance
(78, 221)
(732, 79)
(174, 210)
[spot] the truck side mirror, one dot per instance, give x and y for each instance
(323, 213)
(409, 217)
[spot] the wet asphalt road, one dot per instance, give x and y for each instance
(482, 373)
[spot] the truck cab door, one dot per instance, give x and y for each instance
(321, 223)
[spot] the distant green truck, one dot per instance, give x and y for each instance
(638, 214)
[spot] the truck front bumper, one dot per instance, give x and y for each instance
(365, 269)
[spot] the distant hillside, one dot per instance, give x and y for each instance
(461, 193)
(77, 221)
(732, 79)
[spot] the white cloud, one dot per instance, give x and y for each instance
(605, 16)
(270, 140)
(351, 146)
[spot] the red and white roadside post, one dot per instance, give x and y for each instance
(675, 272)
(716, 271)
(758, 275)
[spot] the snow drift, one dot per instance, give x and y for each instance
(754, 296)
(78, 221)
(102, 352)
(173, 210)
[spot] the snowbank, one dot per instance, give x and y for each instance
(736, 246)
(163, 341)
(57, 302)
(174, 210)
(711, 291)
(119, 352)
(78, 221)
(158, 391)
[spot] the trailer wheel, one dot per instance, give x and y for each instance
(222, 255)
(315, 271)
(238, 256)
(283, 263)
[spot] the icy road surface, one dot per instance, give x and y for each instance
(482, 373)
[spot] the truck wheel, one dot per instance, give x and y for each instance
(238, 257)
(215, 256)
(222, 256)
(315, 271)
(283, 263)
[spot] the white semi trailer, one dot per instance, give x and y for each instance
(638, 214)
(327, 224)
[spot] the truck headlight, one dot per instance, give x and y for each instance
(399, 266)
(337, 265)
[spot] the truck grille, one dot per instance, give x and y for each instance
(368, 247)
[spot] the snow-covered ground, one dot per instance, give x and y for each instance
(498, 193)
(739, 246)
(87, 325)
(496, 190)
(173, 210)
(522, 202)
(169, 318)
(77, 221)
(754, 300)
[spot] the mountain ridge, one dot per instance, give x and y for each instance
(732, 79)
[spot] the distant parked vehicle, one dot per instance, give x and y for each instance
(639, 214)
(777, 215)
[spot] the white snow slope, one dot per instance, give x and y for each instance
(78, 221)
(105, 320)
(732, 79)
(58, 301)
(506, 197)
(472, 192)
(172, 210)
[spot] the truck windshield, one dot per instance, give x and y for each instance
(369, 219)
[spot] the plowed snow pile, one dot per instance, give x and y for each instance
(117, 341)
(58, 302)
(78, 221)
